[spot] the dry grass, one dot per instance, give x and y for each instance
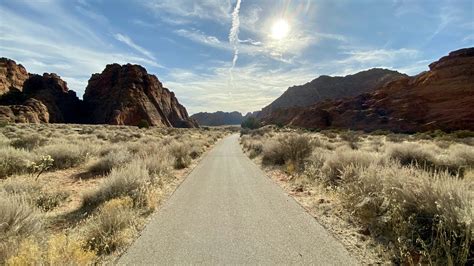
(103, 183)
(414, 197)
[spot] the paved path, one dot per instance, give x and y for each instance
(228, 212)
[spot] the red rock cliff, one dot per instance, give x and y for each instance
(127, 95)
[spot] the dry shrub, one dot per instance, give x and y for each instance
(112, 227)
(60, 250)
(430, 157)
(28, 142)
(180, 152)
(129, 180)
(65, 155)
(14, 161)
(18, 221)
(334, 164)
(426, 215)
(111, 159)
(33, 194)
(158, 166)
(290, 149)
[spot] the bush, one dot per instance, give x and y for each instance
(410, 153)
(14, 161)
(423, 213)
(180, 152)
(292, 149)
(28, 142)
(112, 227)
(143, 124)
(65, 155)
(18, 221)
(129, 180)
(251, 123)
(112, 159)
(331, 171)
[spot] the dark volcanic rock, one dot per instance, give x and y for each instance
(441, 98)
(128, 95)
(327, 87)
(218, 118)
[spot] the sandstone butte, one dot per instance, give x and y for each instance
(120, 95)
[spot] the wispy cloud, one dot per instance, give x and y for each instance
(234, 36)
(125, 39)
(202, 38)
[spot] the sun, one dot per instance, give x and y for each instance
(280, 29)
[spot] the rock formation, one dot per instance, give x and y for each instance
(327, 87)
(441, 98)
(11, 75)
(218, 118)
(128, 95)
(121, 95)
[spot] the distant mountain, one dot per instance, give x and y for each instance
(120, 95)
(218, 118)
(441, 98)
(327, 87)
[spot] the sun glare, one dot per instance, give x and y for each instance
(280, 29)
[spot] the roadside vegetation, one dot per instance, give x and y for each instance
(77, 194)
(405, 199)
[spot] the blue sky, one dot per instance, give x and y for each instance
(186, 43)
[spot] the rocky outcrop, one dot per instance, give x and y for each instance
(441, 98)
(32, 98)
(327, 87)
(31, 111)
(11, 75)
(218, 118)
(128, 95)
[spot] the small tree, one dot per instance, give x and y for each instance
(251, 123)
(143, 124)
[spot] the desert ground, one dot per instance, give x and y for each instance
(79, 194)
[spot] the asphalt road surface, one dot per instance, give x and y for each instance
(228, 212)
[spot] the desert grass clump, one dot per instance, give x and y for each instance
(409, 153)
(112, 159)
(14, 161)
(180, 152)
(129, 180)
(112, 227)
(18, 221)
(288, 149)
(331, 170)
(64, 155)
(28, 141)
(428, 216)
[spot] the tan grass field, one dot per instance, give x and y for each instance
(79, 194)
(390, 198)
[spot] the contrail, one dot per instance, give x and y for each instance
(234, 36)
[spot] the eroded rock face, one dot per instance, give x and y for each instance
(31, 111)
(441, 98)
(128, 95)
(12, 75)
(327, 87)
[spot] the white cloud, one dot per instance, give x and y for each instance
(125, 39)
(62, 50)
(202, 38)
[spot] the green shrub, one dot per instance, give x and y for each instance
(251, 123)
(143, 124)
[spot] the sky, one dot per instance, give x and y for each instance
(231, 55)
